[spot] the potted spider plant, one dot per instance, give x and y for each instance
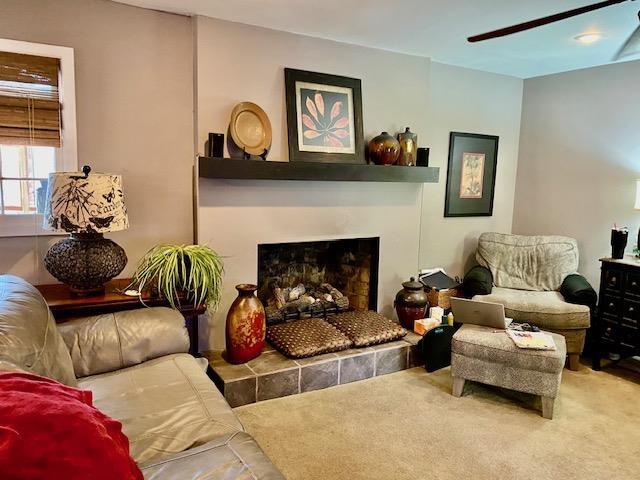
(175, 271)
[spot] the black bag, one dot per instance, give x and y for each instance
(436, 347)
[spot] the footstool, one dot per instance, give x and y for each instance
(484, 355)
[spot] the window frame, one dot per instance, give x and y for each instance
(26, 225)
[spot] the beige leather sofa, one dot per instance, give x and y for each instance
(135, 363)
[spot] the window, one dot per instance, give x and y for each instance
(37, 130)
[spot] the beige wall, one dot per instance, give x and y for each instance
(466, 100)
(579, 158)
(237, 63)
(134, 92)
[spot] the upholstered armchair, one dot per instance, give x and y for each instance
(536, 279)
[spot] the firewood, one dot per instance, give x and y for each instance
(278, 295)
(331, 290)
(296, 292)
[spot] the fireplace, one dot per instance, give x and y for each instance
(350, 266)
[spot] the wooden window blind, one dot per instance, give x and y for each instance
(29, 100)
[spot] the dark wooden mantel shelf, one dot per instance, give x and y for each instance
(228, 168)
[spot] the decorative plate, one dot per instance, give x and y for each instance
(250, 128)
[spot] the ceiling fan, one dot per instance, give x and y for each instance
(629, 48)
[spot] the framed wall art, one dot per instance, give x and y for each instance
(471, 176)
(324, 117)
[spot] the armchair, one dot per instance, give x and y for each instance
(535, 278)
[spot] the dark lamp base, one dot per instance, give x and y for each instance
(85, 262)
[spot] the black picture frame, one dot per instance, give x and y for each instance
(473, 197)
(294, 77)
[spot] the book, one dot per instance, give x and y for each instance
(532, 340)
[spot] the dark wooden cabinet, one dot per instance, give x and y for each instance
(617, 328)
(65, 306)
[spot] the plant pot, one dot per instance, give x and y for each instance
(246, 327)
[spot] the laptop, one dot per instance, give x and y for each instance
(479, 313)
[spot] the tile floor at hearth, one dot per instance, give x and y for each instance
(272, 375)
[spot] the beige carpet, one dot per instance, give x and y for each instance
(408, 426)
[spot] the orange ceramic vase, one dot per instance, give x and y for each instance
(246, 327)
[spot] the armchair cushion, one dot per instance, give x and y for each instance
(576, 289)
(547, 310)
(109, 342)
(478, 281)
(528, 262)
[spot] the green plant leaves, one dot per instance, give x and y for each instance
(196, 270)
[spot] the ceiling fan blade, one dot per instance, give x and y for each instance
(631, 47)
(543, 21)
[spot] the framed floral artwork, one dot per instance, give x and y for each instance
(324, 117)
(471, 175)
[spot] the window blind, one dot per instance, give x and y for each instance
(29, 100)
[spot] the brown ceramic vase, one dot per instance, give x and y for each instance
(384, 149)
(246, 327)
(411, 303)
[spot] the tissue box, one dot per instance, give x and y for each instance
(423, 325)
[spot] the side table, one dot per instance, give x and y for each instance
(617, 326)
(65, 306)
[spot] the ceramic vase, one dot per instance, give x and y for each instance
(384, 149)
(246, 327)
(411, 303)
(408, 146)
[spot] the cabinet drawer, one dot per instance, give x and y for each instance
(628, 337)
(630, 311)
(632, 285)
(609, 329)
(610, 305)
(613, 279)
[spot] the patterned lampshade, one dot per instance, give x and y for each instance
(84, 202)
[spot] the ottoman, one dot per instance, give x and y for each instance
(484, 355)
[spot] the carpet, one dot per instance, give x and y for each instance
(408, 426)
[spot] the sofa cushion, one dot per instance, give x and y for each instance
(50, 430)
(486, 344)
(306, 338)
(112, 341)
(543, 309)
(29, 338)
(366, 328)
(234, 456)
(528, 262)
(166, 405)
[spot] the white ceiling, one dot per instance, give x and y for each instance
(437, 28)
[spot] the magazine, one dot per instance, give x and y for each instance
(532, 340)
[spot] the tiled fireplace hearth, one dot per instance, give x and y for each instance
(272, 375)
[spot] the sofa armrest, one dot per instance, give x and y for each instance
(112, 341)
(478, 281)
(576, 289)
(236, 455)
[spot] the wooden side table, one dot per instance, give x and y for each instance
(66, 306)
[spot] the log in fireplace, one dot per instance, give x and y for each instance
(319, 278)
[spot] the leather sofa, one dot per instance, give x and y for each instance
(135, 362)
(536, 279)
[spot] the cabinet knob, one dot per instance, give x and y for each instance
(631, 310)
(612, 305)
(634, 284)
(614, 280)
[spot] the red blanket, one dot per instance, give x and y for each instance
(49, 430)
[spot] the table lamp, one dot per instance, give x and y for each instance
(85, 205)
(637, 207)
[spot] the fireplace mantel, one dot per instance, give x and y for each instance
(228, 168)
